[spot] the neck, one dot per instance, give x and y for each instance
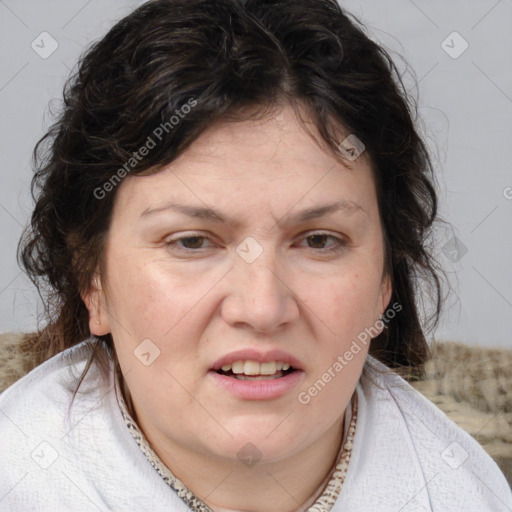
(282, 486)
(226, 485)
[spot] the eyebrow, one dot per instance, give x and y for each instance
(344, 205)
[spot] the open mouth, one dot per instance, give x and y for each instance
(257, 377)
(278, 374)
(254, 370)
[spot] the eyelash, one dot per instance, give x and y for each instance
(339, 245)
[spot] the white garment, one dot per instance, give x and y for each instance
(407, 455)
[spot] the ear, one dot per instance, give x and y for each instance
(383, 301)
(95, 302)
(386, 290)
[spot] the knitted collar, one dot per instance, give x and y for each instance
(321, 501)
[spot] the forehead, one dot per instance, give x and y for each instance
(270, 140)
(246, 163)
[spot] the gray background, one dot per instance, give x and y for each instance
(465, 105)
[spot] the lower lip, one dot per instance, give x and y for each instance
(258, 389)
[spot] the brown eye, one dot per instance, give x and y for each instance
(318, 241)
(187, 243)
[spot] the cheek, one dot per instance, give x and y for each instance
(167, 307)
(149, 296)
(327, 396)
(342, 310)
(345, 303)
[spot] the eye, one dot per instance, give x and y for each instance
(320, 238)
(190, 243)
(194, 242)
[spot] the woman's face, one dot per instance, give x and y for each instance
(183, 293)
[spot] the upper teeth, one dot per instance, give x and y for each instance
(256, 368)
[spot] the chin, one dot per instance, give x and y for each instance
(262, 447)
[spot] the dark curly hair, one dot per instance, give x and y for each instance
(235, 59)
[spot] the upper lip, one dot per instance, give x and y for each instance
(256, 355)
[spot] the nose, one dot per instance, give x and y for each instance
(261, 294)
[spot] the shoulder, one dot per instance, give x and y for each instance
(49, 382)
(65, 451)
(41, 400)
(455, 468)
(57, 375)
(36, 418)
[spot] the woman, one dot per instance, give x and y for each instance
(231, 219)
